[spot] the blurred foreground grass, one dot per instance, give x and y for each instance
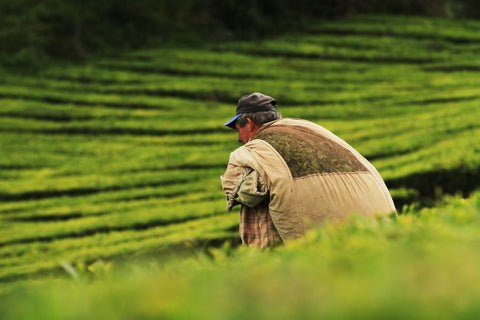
(423, 264)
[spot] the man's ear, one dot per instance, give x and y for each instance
(252, 126)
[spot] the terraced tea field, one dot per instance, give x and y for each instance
(121, 156)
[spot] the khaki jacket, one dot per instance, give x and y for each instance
(309, 175)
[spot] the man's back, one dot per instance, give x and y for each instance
(312, 176)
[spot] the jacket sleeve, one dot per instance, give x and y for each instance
(243, 185)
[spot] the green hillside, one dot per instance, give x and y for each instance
(120, 157)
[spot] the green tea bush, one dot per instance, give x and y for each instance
(423, 264)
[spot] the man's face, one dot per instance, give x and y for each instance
(246, 132)
(243, 133)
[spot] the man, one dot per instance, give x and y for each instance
(291, 175)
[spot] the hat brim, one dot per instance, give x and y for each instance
(231, 122)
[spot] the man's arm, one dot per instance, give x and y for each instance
(243, 185)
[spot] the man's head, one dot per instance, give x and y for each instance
(253, 110)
